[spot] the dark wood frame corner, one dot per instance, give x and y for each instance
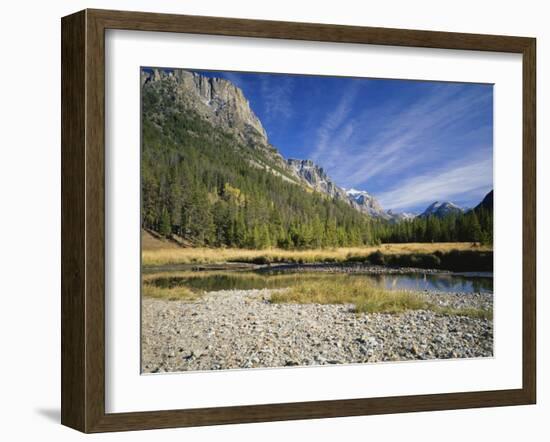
(83, 216)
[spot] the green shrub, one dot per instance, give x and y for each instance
(455, 260)
(467, 260)
(377, 258)
(355, 258)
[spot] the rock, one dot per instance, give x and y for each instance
(182, 336)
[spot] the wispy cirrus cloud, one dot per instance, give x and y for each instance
(276, 97)
(331, 133)
(406, 142)
(389, 143)
(458, 181)
(414, 133)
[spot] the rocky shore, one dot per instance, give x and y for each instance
(243, 329)
(366, 269)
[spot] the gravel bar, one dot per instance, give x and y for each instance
(242, 329)
(367, 269)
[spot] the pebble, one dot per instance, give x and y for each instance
(239, 329)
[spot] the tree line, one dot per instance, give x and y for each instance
(472, 226)
(206, 187)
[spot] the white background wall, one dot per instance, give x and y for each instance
(30, 217)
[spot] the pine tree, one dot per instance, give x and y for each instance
(165, 227)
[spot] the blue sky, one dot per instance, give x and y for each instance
(408, 143)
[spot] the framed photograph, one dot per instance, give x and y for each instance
(268, 221)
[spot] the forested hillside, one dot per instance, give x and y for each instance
(204, 185)
(212, 179)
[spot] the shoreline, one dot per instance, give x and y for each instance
(232, 329)
(368, 269)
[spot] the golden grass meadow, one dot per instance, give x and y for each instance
(299, 288)
(171, 255)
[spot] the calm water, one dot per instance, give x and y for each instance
(464, 283)
(482, 283)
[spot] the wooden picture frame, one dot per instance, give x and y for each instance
(83, 220)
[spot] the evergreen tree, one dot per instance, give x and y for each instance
(204, 185)
(165, 227)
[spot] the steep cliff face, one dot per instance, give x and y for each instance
(316, 178)
(367, 203)
(221, 103)
(216, 99)
(224, 105)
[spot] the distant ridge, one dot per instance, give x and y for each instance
(222, 104)
(441, 209)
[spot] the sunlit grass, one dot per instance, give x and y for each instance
(201, 255)
(300, 288)
(248, 276)
(180, 293)
(366, 298)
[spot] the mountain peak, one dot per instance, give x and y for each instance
(354, 192)
(487, 202)
(315, 177)
(224, 105)
(441, 209)
(366, 203)
(216, 99)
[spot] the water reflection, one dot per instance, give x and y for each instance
(436, 282)
(441, 282)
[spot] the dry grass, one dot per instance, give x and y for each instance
(150, 242)
(245, 275)
(179, 293)
(366, 298)
(307, 288)
(179, 255)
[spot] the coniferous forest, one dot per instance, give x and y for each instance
(252, 259)
(203, 185)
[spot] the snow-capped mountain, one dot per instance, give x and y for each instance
(223, 104)
(442, 209)
(367, 203)
(400, 216)
(317, 179)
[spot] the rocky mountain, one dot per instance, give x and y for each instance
(316, 178)
(209, 176)
(367, 203)
(217, 101)
(441, 209)
(445, 208)
(222, 104)
(400, 216)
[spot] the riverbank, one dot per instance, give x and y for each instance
(352, 267)
(157, 252)
(234, 329)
